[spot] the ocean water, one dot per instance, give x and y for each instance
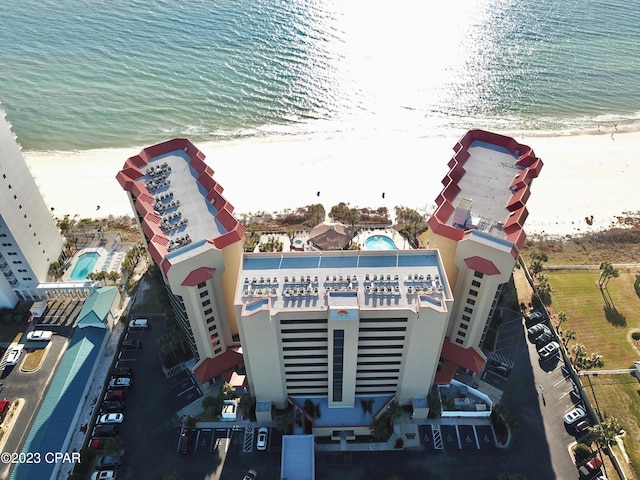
(80, 74)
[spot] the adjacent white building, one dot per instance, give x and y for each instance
(29, 238)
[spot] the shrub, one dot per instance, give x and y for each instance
(581, 452)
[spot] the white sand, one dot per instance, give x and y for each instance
(583, 175)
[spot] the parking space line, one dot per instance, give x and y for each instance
(475, 434)
(563, 379)
(565, 394)
(458, 435)
(187, 390)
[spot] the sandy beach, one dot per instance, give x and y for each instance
(584, 175)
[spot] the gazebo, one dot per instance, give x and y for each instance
(330, 236)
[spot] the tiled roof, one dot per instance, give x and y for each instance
(482, 265)
(199, 275)
(212, 367)
(96, 307)
(467, 358)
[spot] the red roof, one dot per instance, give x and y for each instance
(446, 373)
(210, 368)
(198, 276)
(482, 265)
(467, 358)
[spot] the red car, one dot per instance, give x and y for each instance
(115, 395)
(97, 443)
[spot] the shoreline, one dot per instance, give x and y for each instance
(583, 175)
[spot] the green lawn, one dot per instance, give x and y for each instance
(575, 292)
(618, 396)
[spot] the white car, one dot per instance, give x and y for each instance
(250, 475)
(120, 382)
(104, 475)
(39, 336)
(549, 350)
(141, 323)
(110, 418)
(263, 433)
(13, 355)
(574, 415)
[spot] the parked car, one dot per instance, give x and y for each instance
(549, 350)
(120, 382)
(122, 372)
(592, 465)
(115, 394)
(533, 316)
(104, 475)
(98, 443)
(139, 323)
(574, 415)
(581, 427)
(184, 444)
(263, 433)
(250, 475)
(13, 355)
(131, 344)
(5, 405)
(109, 461)
(537, 330)
(111, 406)
(105, 431)
(499, 368)
(543, 339)
(109, 418)
(39, 336)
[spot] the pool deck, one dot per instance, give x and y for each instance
(301, 239)
(400, 242)
(108, 261)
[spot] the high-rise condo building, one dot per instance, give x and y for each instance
(29, 238)
(191, 234)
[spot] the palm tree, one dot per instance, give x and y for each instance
(608, 272)
(605, 432)
(562, 317)
(579, 352)
(567, 336)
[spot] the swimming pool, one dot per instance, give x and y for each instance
(379, 242)
(84, 265)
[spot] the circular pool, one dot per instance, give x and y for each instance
(379, 242)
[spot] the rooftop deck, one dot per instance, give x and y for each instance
(315, 280)
(487, 188)
(177, 198)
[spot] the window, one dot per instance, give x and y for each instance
(478, 274)
(459, 341)
(466, 318)
(211, 319)
(215, 335)
(206, 302)
(204, 294)
(473, 293)
(202, 284)
(475, 283)
(217, 350)
(213, 327)
(468, 310)
(471, 301)
(464, 326)
(208, 311)
(462, 334)
(338, 359)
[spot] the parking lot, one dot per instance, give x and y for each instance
(455, 438)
